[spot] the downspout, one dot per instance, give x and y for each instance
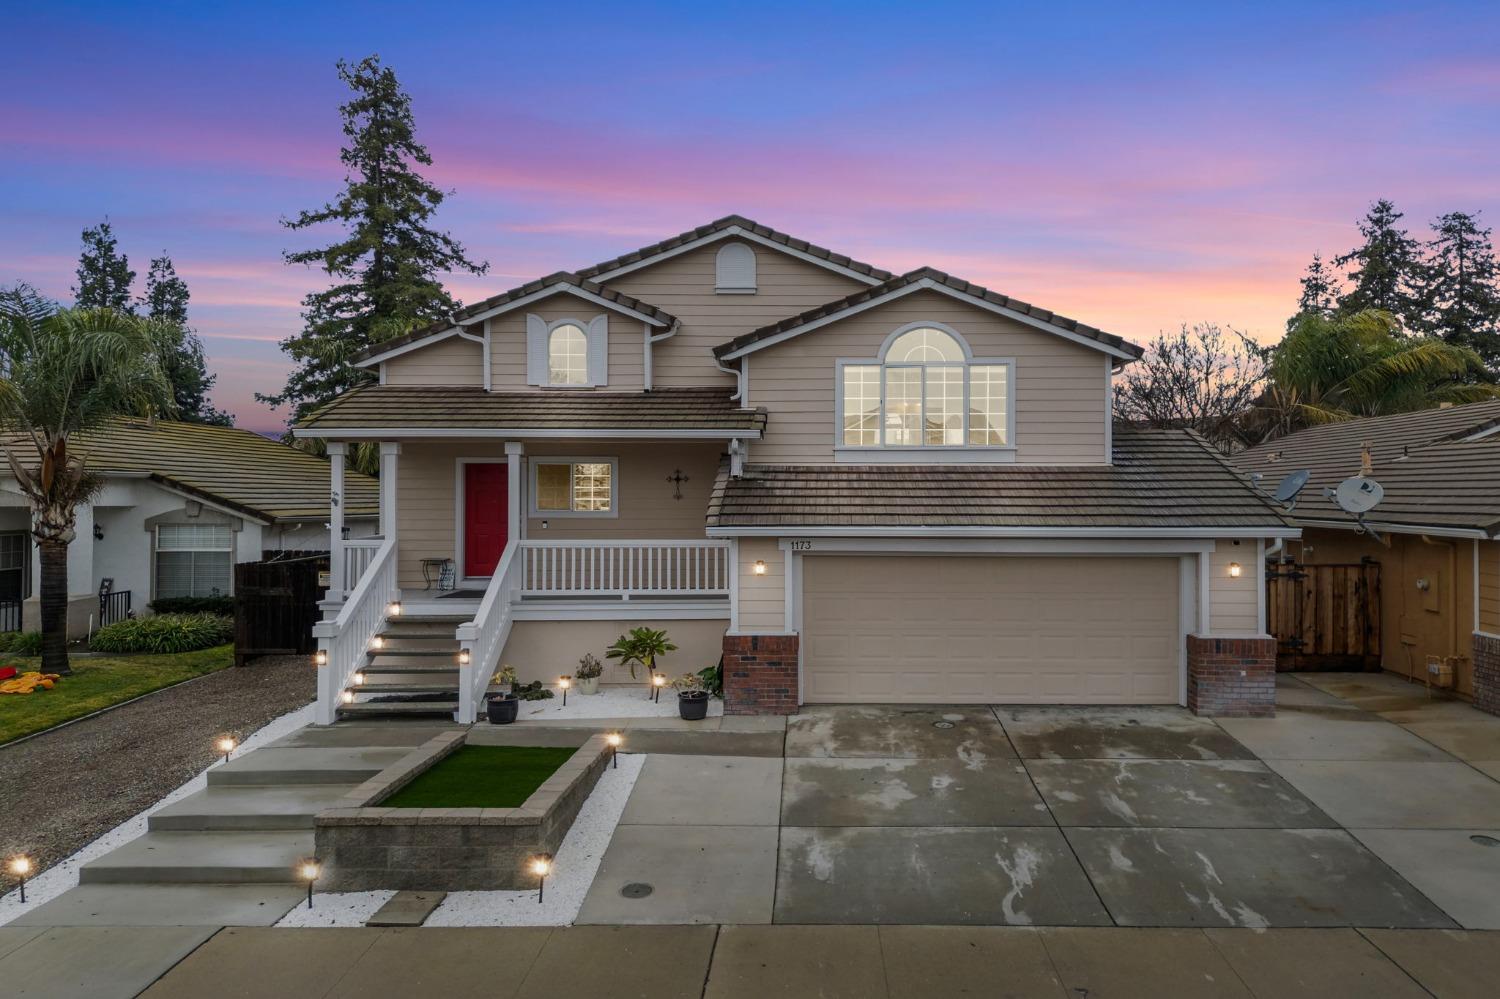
(739, 379)
(484, 346)
(671, 332)
(1452, 601)
(1276, 549)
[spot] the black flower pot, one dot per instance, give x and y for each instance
(501, 708)
(692, 705)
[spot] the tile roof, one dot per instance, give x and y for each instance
(1431, 477)
(445, 407)
(565, 278)
(1160, 479)
(234, 468)
(749, 225)
(912, 277)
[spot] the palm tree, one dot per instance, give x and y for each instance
(65, 372)
(1332, 368)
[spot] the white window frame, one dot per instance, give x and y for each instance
(534, 463)
(583, 329)
(936, 453)
(157, 550)
(539, 351)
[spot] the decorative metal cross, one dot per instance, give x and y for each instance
(677, 479)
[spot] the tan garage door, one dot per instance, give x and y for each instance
(990, 630)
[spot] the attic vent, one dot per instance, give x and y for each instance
(734, 270)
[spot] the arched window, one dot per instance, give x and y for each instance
(926, 391)
(567, 356)
(734, 269)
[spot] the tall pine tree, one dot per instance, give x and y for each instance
(1319, 291)
(104, 274)
(166, 299)
(1386, 271)
(1461, 291)
(385, 271)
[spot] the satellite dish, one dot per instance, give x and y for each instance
(1358, 494)
(1289, 487)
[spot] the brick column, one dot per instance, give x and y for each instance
(1231, 677)
(760, 674)
(1487, 674)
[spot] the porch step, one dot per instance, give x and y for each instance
(424, 626)
(376, 689)
(374, 709)
(425, 669)
(384, 658)
(247, 808)
(404, 645)
(258, 857)
(272, 766)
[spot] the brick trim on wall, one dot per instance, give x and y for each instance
(760, 674)
(1487, 673)
(1231, 677)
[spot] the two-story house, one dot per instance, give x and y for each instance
(854, 486)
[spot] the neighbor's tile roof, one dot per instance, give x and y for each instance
(1163, 479)
(444, 407)
(529, 288)
(234, 468)
(1430, 476)
(912, 277)
(750, 225)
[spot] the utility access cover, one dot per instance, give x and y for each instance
(636, 889)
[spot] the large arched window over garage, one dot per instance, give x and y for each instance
(925, 390)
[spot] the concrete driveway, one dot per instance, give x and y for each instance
(1335, 813)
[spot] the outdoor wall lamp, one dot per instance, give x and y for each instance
(463, 657)
(320, 657)
(394, 610)
(1235, 570)
(377, 643)
(760, 567)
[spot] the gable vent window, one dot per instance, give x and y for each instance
(567, 353)
(926, 391)
(734, 270)
(193, 560)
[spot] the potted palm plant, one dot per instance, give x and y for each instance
(587, 674)
(692, 698)
(501, 705)
(641, 647)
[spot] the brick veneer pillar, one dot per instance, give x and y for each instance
(1231, 677)
(760, 674)
(1487, 674)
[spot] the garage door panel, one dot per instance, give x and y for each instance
(990, 629)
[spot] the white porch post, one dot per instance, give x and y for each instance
(389, 452)
(514, 493)
(337, 452)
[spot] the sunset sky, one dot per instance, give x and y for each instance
(1136, 166)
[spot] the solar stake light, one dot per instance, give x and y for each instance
(565, 682)
(541, 866)
(658, 680)
(614, 739)
(226, 746)
(320, 657)
(309, 871)
(20, 866)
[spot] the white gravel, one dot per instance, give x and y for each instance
(64, 875)
(574, 867)
(610, 702)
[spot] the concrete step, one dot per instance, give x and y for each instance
(224, 858)
(272, 766)
(367, 709)
(245, 808)
(424, 626)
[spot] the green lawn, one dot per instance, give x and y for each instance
(482, 777)
(97, 683)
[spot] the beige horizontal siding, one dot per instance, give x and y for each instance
(454, 361)
(1059, 385)
(762, 599)
(684, 286)
(426, 514)
(1489, 586)
(1233, 603)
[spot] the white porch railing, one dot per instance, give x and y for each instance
(482, 639)
(344, 642)
(358, 554)
(624, 569)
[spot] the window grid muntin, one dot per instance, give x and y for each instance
(582, 487)
(567, 355)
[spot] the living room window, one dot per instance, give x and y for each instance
(577, 487)
(925, 390)
(193, 560)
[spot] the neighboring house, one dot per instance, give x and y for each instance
(852, 485)
(1438, 551)
(181, 503)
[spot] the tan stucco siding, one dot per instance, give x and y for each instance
(545, 650)
(1489, 586)
(1060, 395)
(762, 599)
(508, 343)
(454, 361)
(1233, 601)
(684, 286)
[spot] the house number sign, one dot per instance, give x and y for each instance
(802, 546)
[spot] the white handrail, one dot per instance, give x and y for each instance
(344, 642)
(624, 568)
(482, 638)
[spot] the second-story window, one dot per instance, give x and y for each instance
(567, 356)
(926, 391)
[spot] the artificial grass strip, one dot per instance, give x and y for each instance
(482, 777)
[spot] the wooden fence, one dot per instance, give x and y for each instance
(276, 604)
(1324, 616)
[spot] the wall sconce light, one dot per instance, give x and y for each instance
(1235, 570)
(225, 746)
(309, 871)
(463, 657)
(541, 866)
(21, 868)
(98, 532)
(760, 567)
(320, 657)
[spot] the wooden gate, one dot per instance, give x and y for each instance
(1324, 617)
(276, 605)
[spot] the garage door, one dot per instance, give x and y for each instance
(996, 630)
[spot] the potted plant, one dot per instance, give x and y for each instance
(502, 705)
(692, 699)
(641, 646)
(587, 674)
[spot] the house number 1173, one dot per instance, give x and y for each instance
(801, 546)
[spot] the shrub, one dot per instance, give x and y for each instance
(21, 643)
(533, 691)
(223, 606)
(164, 633)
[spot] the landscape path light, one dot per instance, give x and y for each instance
(226, 746)
(658, 681)
(614, 739)
(20, 866)
(565, 682)
(309, 871)
(541, 866)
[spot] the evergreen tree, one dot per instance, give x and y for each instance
(1319, 291)
(104, 274)
(166, 299)
(1461, 293)
(1386, 271)
(385, 271)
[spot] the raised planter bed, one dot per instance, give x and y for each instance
(365, 845)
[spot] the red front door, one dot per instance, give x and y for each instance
(485, 520)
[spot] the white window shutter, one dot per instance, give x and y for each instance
(598, 335)
(536, 350)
